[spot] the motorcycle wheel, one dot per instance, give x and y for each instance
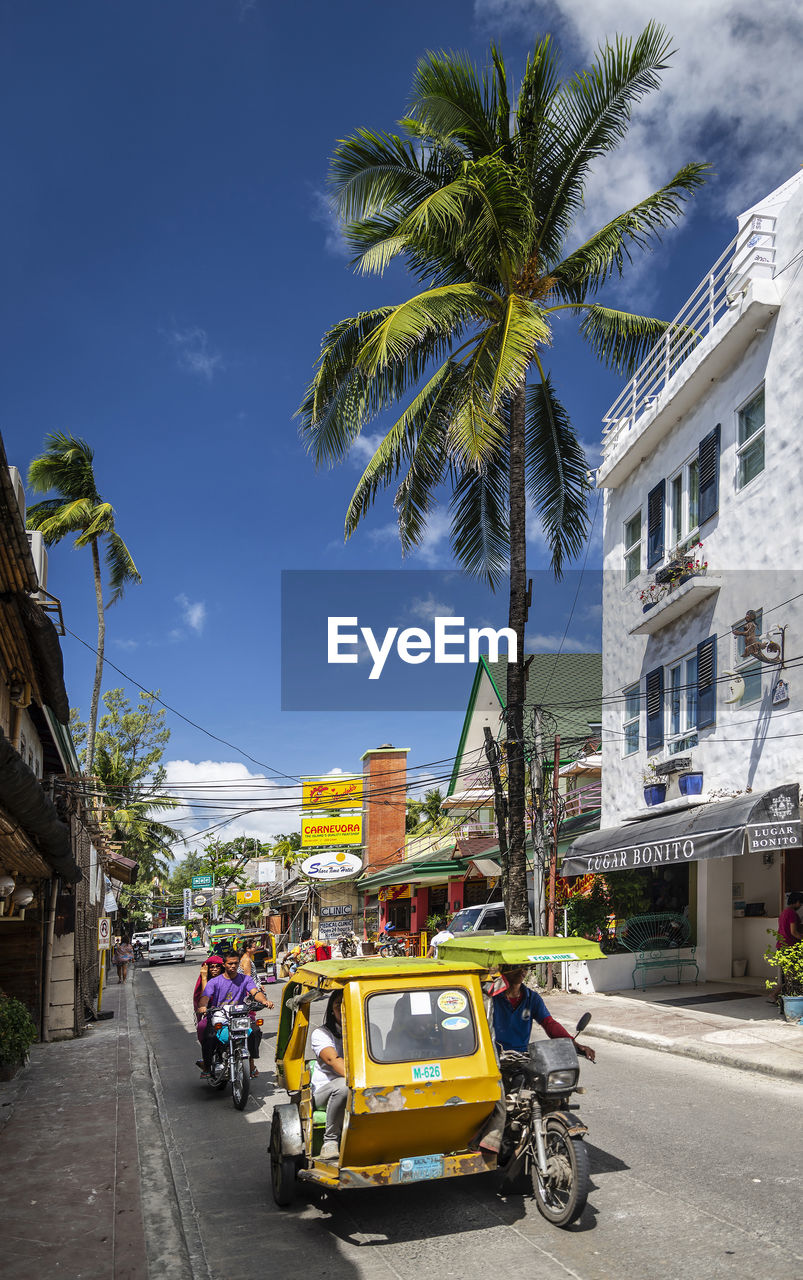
(386, 951)
(561, 1196)
(218, 1076)
(282, 1168)
(240, 1085)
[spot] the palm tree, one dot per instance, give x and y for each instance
(66, 468)
(132, 804)
(478, 199)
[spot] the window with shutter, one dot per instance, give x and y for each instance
(708, 475)
(707, 682)
(655, 708)
(655, 524)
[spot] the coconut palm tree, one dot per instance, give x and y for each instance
(65, 468)
(478, 199)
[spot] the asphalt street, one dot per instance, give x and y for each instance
(697, 1172)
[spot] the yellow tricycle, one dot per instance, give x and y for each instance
(394, 1078)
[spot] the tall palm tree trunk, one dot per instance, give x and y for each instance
(93, 709)
(516, 904)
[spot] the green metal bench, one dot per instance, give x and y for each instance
(656, 941)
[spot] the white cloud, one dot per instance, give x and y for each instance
(126, 644)
(540, 643)
(321, 211)
(227, 796)
(192, 612)
(433, 551)
(429, 608)
(729, 94)
(193, 352)
(363, 449)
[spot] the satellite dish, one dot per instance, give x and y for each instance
(735, 687)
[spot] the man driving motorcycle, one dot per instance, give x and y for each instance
(230, 988)
(516, 1007)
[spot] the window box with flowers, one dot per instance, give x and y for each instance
(683, 563)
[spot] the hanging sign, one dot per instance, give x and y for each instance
(244, 896)
(328, 832)
(391, 892)
(331, 793)
(331, 865)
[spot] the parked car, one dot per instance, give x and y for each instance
(487, 918)
(167, 944)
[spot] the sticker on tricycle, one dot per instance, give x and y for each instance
(427, 1071)
(452, 1002)
(455, 1024)
(417, 1168)
(553, 955)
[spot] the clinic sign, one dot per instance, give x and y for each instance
(331, 832)
(331, 793)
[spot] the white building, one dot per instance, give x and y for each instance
(705, 445)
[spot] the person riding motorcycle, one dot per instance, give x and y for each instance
(516, 1007)
(230, 988)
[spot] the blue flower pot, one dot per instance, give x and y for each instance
(655, 793)
(793, 1008)
(691, 784)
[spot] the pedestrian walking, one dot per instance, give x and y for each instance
(122, 956)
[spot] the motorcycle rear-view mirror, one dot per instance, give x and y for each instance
(583, 1023)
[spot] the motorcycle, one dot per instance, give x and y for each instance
(348, 946)
(230, 1053)
(391, 946)
(137, 951)
(543, 1140)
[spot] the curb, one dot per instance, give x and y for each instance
(174, 1245)
(700, 1052)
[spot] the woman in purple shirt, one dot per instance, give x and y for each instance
(230, 988)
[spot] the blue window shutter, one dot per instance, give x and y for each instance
(708, 473)
(656, 503)
(707, 682)
(655, 708)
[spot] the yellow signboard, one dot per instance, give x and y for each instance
(331, 793)
(320, 833)
(390, 892)
(244, 896)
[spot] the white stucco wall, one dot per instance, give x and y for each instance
(754, 544)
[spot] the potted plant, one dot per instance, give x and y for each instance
(654, 785)
(17, 1034)
(790, 962)
(691, 783)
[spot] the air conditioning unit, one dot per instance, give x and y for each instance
(36, 542)
(19, 490)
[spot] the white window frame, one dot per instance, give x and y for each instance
(746, 667)
(632, 690)
(633, 547)
(685, 736)
(742, 446)
(687, 531)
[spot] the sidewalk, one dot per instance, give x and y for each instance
(729, 1023)
(74, 1193)
(82, 1202)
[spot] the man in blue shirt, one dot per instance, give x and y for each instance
(517, 1007)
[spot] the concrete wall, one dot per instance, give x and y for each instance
(62, 988)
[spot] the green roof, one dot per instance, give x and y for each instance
(567, 685)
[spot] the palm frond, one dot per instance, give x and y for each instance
(588, 267)
(557, 482)
(621, 340)
(372, 172)
(479, 528)
(592, 114)
(120, 566)
(441, 314)
(450, 100)
(65, 518)
(65, 467)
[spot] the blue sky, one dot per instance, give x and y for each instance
(170, 266)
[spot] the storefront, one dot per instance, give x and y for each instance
(746, 851)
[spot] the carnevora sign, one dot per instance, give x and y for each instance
(331, 832)
(752, 822)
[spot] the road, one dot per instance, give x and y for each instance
(696, 1172)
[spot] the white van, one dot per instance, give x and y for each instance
(487, 918)
(167, 944)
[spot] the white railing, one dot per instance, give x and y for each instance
(749, 255)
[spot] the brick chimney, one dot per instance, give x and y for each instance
(384, 805)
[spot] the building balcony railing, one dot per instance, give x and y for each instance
(582, 799)
(750, 256)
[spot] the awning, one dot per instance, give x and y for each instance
(486, 867)
(756, 822)
(21, 795)
(124, 870)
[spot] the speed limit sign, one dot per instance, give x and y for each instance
(104, 934)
